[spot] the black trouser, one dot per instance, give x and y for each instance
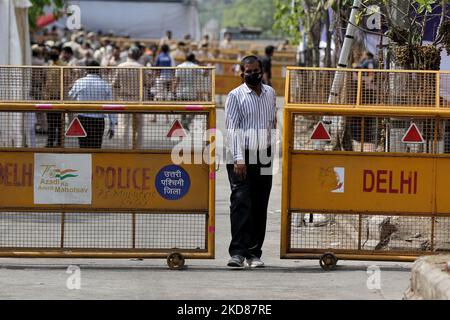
(94, 128)
(54, 128)
(249, 201)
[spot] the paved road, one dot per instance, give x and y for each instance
(203, 279)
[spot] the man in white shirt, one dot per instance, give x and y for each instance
(226, 42)
(187, 85)
(250, 119)
(93, 88)
(186, 79)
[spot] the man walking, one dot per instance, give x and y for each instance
(250, 115)
(267, 65)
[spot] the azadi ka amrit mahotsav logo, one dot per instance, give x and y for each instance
(65, 174)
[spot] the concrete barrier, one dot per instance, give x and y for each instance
(430, 279)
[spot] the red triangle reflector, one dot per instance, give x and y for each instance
(76, 129)
(320, 133)
(177, 130)
(413, 135)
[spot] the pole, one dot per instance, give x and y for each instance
(338, 81)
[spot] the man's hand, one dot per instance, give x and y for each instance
(240, 169)
(110, 133)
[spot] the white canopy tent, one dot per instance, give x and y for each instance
(140, 18)
(17, 129)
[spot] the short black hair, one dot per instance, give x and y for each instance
(190, 57)
(165, 48)
(92, 63)
(54, 54)
(68, 50)
(269, 50)
(250, 60)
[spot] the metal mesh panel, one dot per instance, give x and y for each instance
(182, 231)
(30, 84)
(366, 134)
(47, 129)
(180, 85)
(443, 142)
(396, 233)
(442, 234)
(30, 230)
(409, 89)
(320, 231)
(103, 230)
(378, 233)
(17, 130)
(444, 81)
(97, 230)
(346, 133)
(95, 84)
(125, 83)
(314, 87)
(396, 128)
(151, 131)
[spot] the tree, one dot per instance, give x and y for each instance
(250, 13)
(239, 13)
(404, 22)
(38, 6)
(304, 20)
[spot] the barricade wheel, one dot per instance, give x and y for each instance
(175, 261)
(328, 261)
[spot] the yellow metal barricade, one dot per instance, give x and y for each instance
(107, 163)
(365, 165)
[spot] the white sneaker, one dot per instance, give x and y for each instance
(236, 262)
(255, 262)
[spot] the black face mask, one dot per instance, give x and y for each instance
(253, 79)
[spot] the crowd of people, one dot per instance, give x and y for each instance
(80, 48)
(77, 47)
(63, 48)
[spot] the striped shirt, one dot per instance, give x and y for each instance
(93, 88)
(250, 119)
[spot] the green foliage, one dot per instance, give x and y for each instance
(37, 9)
(287, 20)
(239, 13)
(425, 5)
(250, 13)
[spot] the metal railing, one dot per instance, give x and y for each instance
(133, 201)
(123, 85)
(365, 165)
